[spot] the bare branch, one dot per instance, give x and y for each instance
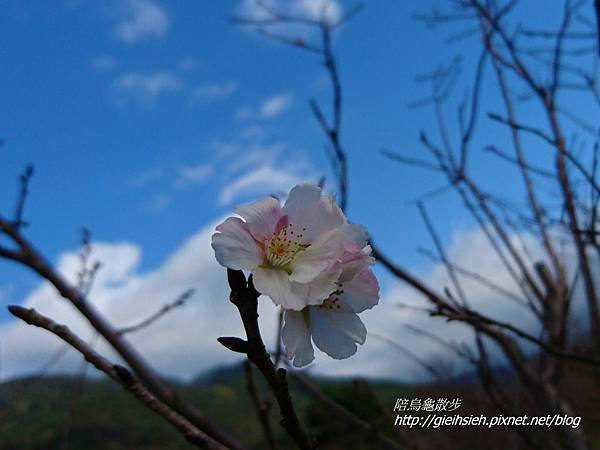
(429, 368)
(342, 412)
(119, 374)
(30, 257)
(24, 180)
(180, 301)
(245, 298)
(530, 167)
(410, 161)
(536, 131)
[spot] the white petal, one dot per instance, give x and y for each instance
(336, 331)
(296, 338)
(321, 287)
(234, 246)
(310, 213)
(321, 255)
(358, 233)
(261, 217)
(292, 295)
(361, 292)
(277, 285)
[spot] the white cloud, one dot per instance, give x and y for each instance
(275, 105)
(215, 91)
(252, 156)
(141, 19)
(312, 9)
(126, 294)
(145, 88)
(263, 179)
(269, 108)
(469, 249)
(316, 8)
(194, 174)
(257, 171)
(181, 344)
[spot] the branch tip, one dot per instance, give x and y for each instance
(18, 311)
(234, 344)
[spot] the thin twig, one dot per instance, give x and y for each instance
(263, 407)
(342, 412)
(24, 180)
(180, 301)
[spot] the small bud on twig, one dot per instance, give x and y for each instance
(124, 375)
(234, 344)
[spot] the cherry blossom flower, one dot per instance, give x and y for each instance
(334, 326)
(294, 252)
(308, 259)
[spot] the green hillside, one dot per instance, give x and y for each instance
(58, 413)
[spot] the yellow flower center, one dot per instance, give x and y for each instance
(283, 246)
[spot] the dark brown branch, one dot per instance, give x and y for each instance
(524, 170)
(451, 312)
(30, 257)
(77, 387)
(119, 374)
(245, 298)
(521, 127)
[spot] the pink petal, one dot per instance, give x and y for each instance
(262, 217)
(355, 260)
(361, 292)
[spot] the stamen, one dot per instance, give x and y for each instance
(283, 246)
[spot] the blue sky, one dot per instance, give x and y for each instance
(146, 120)
(113, 124)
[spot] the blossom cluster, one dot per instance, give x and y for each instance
(309, 260)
